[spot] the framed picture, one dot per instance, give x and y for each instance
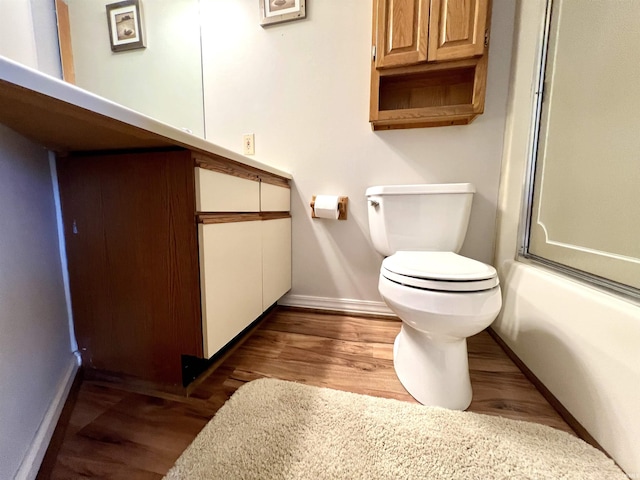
(125, 25)
(277, 11)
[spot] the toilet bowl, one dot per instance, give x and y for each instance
(441, 297)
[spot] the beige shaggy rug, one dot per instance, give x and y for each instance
(272, 429)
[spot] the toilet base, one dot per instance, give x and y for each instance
(433, 369)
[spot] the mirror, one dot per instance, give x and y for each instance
(162, 81)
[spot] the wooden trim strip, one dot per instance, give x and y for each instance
(274, 215)
(274, 180)
(226, 166)
(227, 217)
(546, 393)
(230, 217)
(230, 167)
(430, 67)
(64, 40)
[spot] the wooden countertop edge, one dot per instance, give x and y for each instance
(20, 75)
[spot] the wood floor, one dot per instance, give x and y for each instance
(118, 434)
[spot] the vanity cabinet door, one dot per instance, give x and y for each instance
(410, 32)
(400, 32)
(457, 29)
(274, 198)
(230, 280)
(276, 260)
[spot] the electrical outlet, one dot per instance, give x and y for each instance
(248, 144)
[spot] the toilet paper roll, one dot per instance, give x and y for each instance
(326, 206)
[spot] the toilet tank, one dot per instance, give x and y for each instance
(431, 217)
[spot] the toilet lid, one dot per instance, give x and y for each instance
(446, 271)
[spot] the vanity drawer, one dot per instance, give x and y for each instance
(274, 198)
(219, 192)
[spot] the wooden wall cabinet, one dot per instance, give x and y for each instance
(171, 254)
(429, 63)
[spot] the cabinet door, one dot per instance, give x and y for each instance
(219, 192)
(457, 29)
(276, 260)
(230, 280)
(274, 198)
(401, 32)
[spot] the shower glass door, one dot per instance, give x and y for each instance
(584, 215)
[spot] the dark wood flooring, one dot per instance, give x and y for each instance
(117, 433)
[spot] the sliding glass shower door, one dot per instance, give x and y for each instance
(585, 209)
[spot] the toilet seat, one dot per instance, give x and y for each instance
(442, 271)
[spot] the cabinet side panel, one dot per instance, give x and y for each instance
(133, 268)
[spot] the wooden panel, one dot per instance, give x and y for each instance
(274, 215)
(230, 280)
(276, 260)
(274, 198)
(64, 39)
(133, 266)
(209, 218)
(423, 122)
(219, 192)
(457, 29)
(224, 165)
(401, 32)
(437, 89)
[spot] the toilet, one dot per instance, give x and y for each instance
(441, 297)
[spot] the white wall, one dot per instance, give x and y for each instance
(30, 37)
(163, 80)
(17, 38)
(580, 342)
(46, 37)
(36, 361)
(35, 351)
(303, 89)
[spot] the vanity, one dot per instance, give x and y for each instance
(175, 246)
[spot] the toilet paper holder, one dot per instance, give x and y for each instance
(342, 207)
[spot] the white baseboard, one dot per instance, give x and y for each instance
(33, 459)
(347, 305)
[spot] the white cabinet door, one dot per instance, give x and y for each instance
(274, 198)
(230, 280)
(276, 260)
(219, 192)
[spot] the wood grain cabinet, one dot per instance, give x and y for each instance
(171, 255)
(429, 62)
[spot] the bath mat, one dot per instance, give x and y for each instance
(272, 429)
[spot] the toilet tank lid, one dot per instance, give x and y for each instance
(419, 189)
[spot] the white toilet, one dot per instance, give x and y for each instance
(441, 297)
